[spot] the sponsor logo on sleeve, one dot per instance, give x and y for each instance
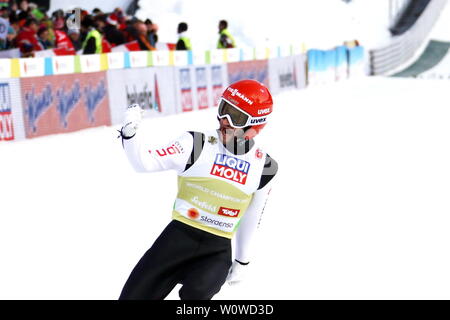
(174, 149)
(230, 168)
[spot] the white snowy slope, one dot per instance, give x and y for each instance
(321, 24)
(360, 208)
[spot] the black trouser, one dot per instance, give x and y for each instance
(182, 254)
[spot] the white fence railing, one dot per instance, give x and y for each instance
(403, 47)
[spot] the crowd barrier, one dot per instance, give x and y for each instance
(52, 95)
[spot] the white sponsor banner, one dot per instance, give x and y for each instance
(261, 53)
(215, 221)
(90, 63)
(5, 68)
(116, 60)
(274, 52)
(11, 53)
(138, 59)
(180, 58)
(44, 53)
(300, 70)
(285, 51)
(161, 58)
(198, 57)
(11, 113)
(217, 56)
(63, 64)
(233, 55)
(282, 74)
(298, 48)
(32, 67)
(247, 53)
(219, 81)
(152, 88)
(199, 87)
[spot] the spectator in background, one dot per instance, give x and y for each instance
(74, 36)
(226, 40)
(101, 23)
(14, 8)
(63, 44)
(120, 17)
(43, 36)
(183, 43)
(35, 12)
(27, 39)
(48, 23)
(13, 31)
(151, 32)
(93, 41)
(96, 12)
(58, 20)
(137, 30)
(108, 25)
(24, 11)
(23, 6)
(4, 27)
(142, 32)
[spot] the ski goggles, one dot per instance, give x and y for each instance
(238, 118)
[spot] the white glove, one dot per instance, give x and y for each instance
(237, 272)
(133, 117)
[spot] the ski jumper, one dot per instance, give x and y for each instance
(221, 194)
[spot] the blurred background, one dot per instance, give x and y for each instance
(360, 131)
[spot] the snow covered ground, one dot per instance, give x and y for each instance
(360, 209)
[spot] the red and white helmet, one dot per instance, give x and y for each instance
(246, 104)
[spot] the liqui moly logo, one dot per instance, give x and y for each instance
(67, 102)
(230, 168)
(227, 212)
(37, 104)
(93, 97)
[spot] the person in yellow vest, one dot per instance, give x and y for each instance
(183, 43)
(93, 41)
(226, 40)
(224, 180)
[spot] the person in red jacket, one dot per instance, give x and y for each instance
(63, 44)
(27, 39)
